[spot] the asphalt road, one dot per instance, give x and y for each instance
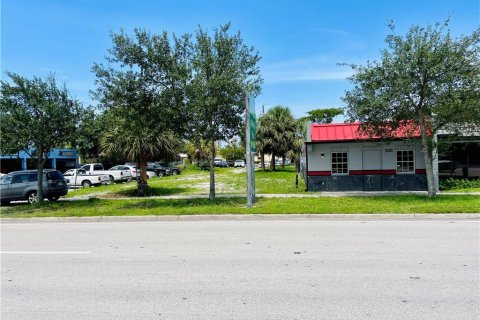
(241, 270)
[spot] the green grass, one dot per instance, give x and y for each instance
(194, 181)
(380, 204)
(463, 190)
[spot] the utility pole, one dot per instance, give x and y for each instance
(251, 134)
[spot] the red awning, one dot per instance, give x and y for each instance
(350, 132)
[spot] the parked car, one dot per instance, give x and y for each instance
(239, 164)
(80, 178)
(159, 170)
(172, 169)
(114, 175)
(231, 163)
(125, 169)
(135, 171)
(217, 161)
(22, 185)
(222, 164)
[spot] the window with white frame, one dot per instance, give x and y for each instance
(339, 163)
(405, 161)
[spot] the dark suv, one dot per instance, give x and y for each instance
(22, 185)
(171, 169)
(159, 170)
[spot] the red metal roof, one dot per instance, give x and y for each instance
(350, 132)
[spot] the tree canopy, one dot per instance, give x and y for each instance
(425, 76)
(224, 70)
(143, 91)
(36, 116)
(323, 115)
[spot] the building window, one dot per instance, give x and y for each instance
(339, 163)
(405, 161)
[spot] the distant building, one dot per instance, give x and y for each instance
(60, 159)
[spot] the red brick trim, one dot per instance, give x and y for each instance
(319, 173)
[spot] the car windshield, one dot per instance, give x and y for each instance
(54, 175)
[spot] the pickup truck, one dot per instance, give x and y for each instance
(78, 177)
(113, 175)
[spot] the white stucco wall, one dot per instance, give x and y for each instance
(358, 160)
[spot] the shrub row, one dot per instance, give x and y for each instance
(452, 183)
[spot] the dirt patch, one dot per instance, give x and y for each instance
(220, 187)
(191, 178)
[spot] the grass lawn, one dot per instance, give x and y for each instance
(463, 190)
(194, 181)
(380, 204)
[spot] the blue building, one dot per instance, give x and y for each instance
(60, 159)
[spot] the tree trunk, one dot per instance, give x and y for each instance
(262, 160)
(427, 154)
(40, 164)
(212, 172)
(143, 171)
(272, 162)
(283, 163)
(142, 184)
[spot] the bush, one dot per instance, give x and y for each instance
(203, 164)
(452, 183)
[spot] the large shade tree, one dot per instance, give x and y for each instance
(87, 136)
(426, 77)
(323, 115)
(36, 115)
(320, 116)
(143, 90)
(224, 70)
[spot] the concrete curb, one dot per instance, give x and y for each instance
(254, 217)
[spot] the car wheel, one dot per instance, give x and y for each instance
(161, 174)
(53, 198)
(174, 172)
(32, 197)
(5, 202)
(86, 184)
(112, 179)
(129, 179)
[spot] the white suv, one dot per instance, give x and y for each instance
(239, 164)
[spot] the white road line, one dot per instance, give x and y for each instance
(44, 252)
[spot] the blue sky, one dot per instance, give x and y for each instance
(301, 42)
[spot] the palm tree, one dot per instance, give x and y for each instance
(276, 133)
(264, 142)
(140, 145)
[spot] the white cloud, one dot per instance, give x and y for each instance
(315, 68)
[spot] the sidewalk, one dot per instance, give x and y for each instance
(274, 195)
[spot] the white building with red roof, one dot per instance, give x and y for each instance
(340, 157)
